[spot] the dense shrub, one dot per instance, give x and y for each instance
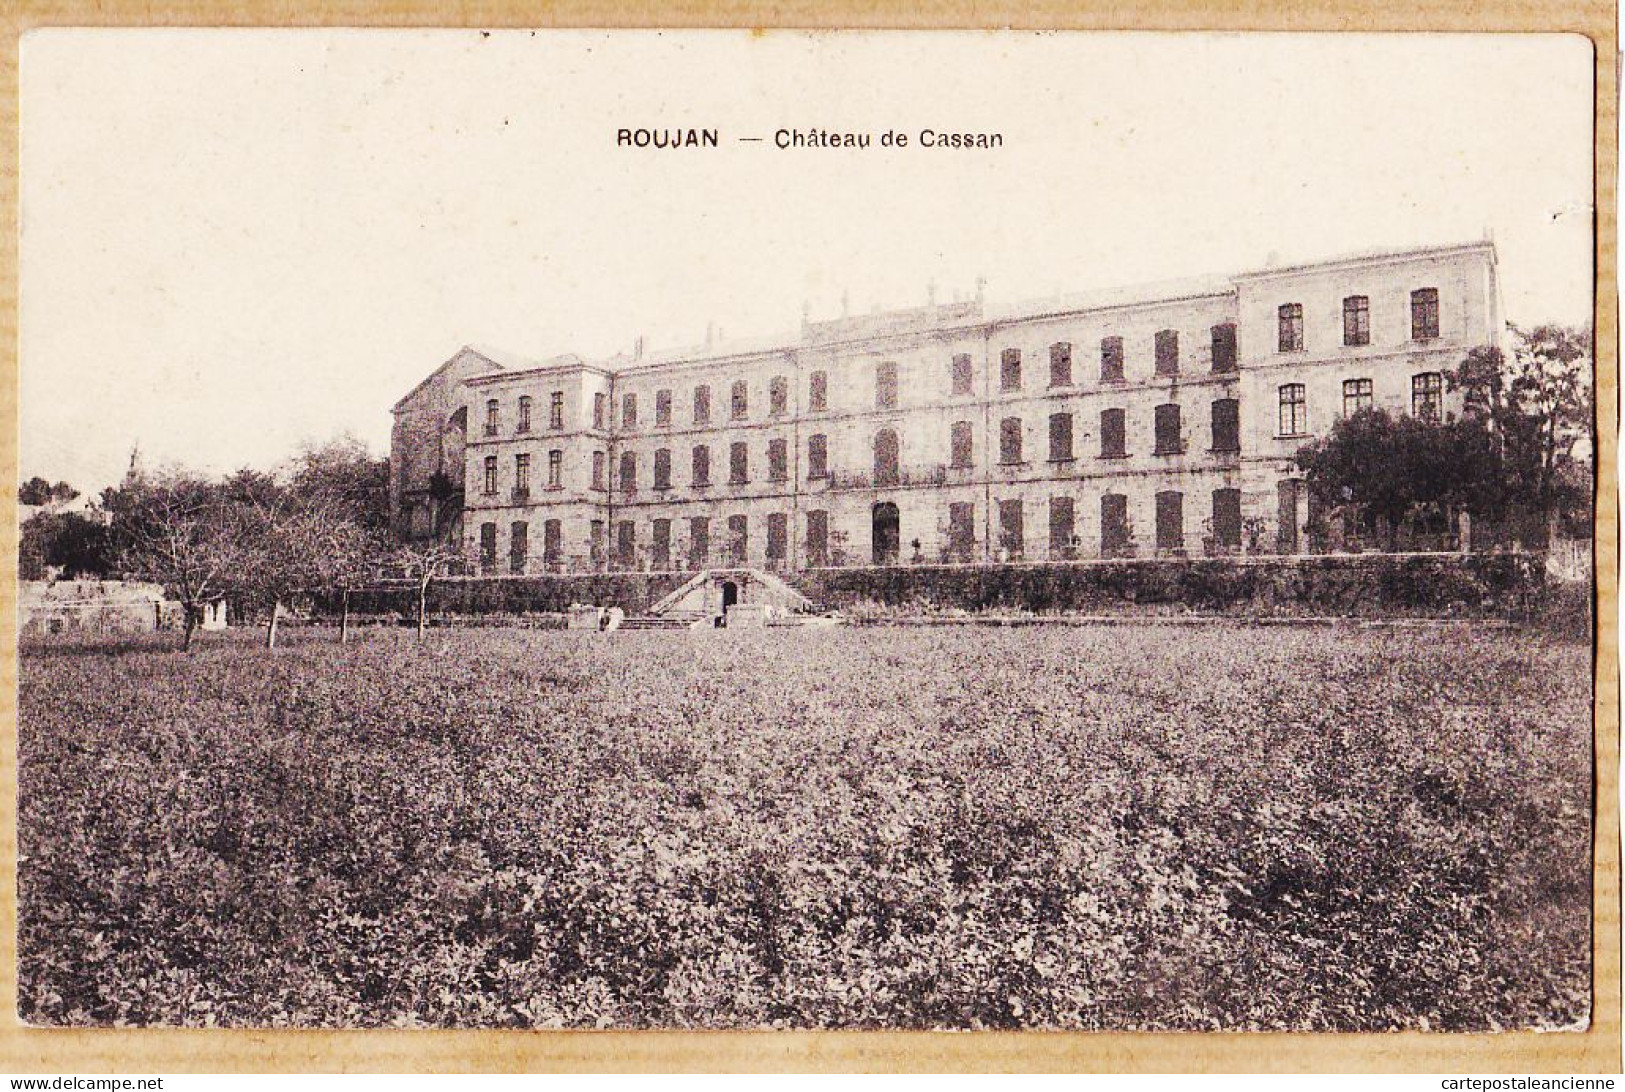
(1108, 828)
(1473, 585)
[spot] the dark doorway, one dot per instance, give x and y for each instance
(887, 533)
(730, 595)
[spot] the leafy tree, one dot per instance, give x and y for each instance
(1539, 406)
(1391, 467)
(39, 492)
(70, 541)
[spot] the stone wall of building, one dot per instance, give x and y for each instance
(883, 395)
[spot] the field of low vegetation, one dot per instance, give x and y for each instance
(1115, 828)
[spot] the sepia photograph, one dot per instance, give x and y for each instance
(958, 531)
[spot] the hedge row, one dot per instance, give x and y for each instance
(1357, 585)
(1350, 585)
(633, 592)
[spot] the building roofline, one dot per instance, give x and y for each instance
(1128, 297)
(1369, 257)
(466, 350)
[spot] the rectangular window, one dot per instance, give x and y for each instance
(524, 414)
(818, 392)
(963, 380)
(491, 419)
(552, 541)
(1062, 524)
(595, 541)
(1287, 493)
(521, 475)
(518, 547)
(959, 445)
(1111, 359)
(1356, 396)
(817, 456)
(598, 458)
(1060, 364)
(1226, 422)
(555, 410)
(1424, 314)
(1227, 518)
(1170, 520)
(1168, 427)
(1010, 370)
(1224, 347)
(1356, 321)
(629, 471)
(702, 405)
(490, 477)
(629, 410)
(778, 536)
(1427, 395)
(1010, 440)
(598, 410)
(699, 541)
(1289, 327)
(555, 469)
(1167, 348)
(663, 468)
(1113, 434)
(626, 544)
(739, 401)
(1012, 537)
(886, 385)
(1115, 534)
(778, 461)
(817, 537)
(961, 530)
(738, 463)
(1294, 415)
(662, 409)
(1060, 437)
(778, 396)
(702, 467)
(660, 544)
(488, 547)
(738, 539)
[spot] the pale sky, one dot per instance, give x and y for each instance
(235, 242)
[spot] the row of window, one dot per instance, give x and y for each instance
(1357, 320)
(1116, 533)
(1427, 401)
(1427, 396)
(961, 381)
(1165, 347)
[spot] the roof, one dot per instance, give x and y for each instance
(467, 354)
(910, 320)
(1369, 257)
(1103, 299)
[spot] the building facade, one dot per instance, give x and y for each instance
(1152, 421)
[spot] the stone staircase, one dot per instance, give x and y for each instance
(672, 620)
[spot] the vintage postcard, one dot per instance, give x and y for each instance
(808, 531)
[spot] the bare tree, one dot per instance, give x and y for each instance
(184, 533)
(421, 565)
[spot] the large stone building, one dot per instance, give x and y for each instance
(1155, 420)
